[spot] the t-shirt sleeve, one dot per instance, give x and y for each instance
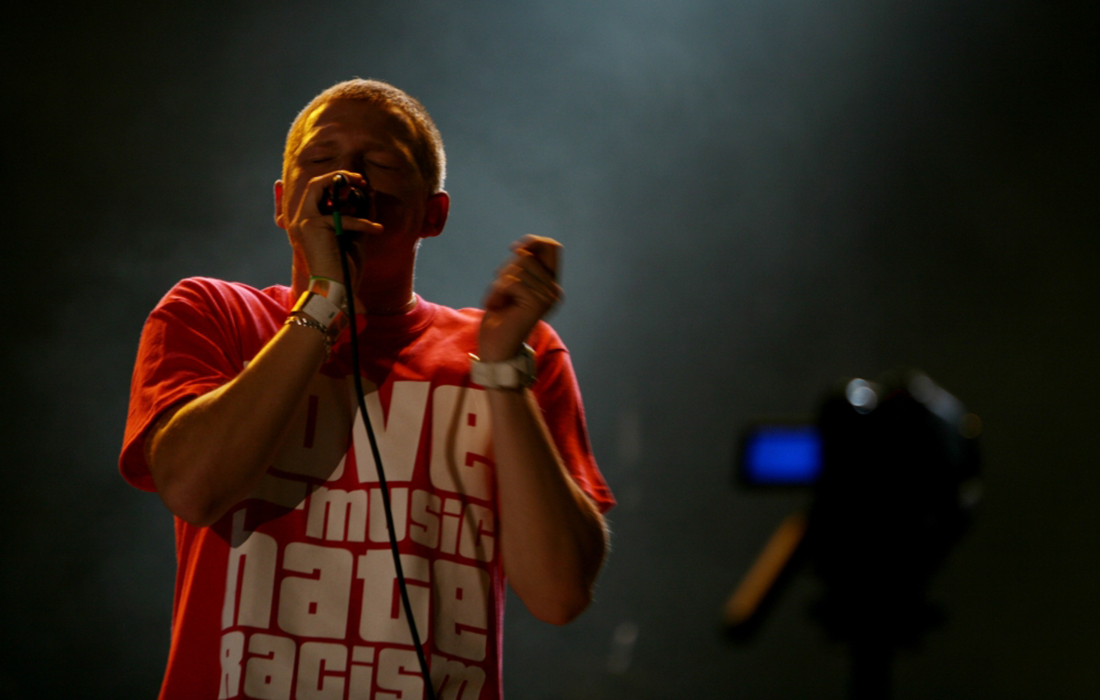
(559, 397)
(187, 349)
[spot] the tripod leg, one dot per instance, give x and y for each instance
(746, 601)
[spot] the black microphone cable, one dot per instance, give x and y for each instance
(357, 199)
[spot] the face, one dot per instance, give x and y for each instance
(375, 142)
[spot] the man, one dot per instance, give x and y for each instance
(243, 419)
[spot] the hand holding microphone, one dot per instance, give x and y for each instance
(312, 220)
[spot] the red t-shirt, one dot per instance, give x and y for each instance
(292, 594)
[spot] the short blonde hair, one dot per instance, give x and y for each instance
(428, 147)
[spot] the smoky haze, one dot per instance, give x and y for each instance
(755, 199)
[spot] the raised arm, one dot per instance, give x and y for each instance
(553, 537)
(208, 454)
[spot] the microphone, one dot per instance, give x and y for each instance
(346, 199)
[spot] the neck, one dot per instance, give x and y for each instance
(379, 293)
(398, 305)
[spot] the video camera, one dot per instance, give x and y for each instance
(893, 470)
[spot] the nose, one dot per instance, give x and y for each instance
(356, 162)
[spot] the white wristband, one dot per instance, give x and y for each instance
(320, 308)
(324, 311)
(330, 289)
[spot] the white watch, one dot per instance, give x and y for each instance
(516, 373)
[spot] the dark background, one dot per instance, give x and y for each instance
(756, 198)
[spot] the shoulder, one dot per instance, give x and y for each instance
(203, 300)
(209, 292)
(226, 314)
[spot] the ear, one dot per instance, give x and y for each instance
(280, 220)
(435, 215)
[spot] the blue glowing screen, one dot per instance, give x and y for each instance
(782, 454)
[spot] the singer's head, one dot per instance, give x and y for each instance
(427, 144)
(386, 146)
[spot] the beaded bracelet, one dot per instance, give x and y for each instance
(298, 319)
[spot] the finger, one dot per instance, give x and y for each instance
(528, 275)
(538, 283)
(316, 225)
(351, 223)
(502, 292)
(546, 250)
(316, 189)
(526, 260)
(352, 179)
(320, 225)
(524, 289)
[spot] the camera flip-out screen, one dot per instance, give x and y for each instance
(775, 454)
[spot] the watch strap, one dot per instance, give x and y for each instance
(516, 373)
